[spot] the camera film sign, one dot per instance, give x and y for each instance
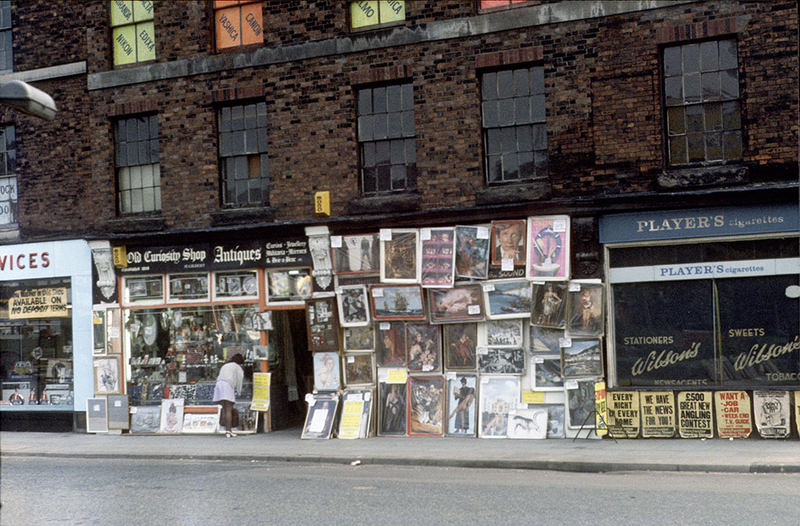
(623, 414)
(695, 418)
(772, 411)
(658, 414)
(733, 414)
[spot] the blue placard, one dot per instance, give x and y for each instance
(699, 222)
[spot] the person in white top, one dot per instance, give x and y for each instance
(229, 382)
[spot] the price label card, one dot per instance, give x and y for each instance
(538, 282)
(574, 287)
(385, 326)
(507, 265)
(425, 234)
(560, 225)
(488, 287)
(565, 342)
(351, 359)
(474, 310)
(117, 403)
(483, 350)
(532, 397)
(386, 234)
(133, 410)
(538, 359)
(482, 232)
(377, 293)
(397, 376)
(571, 384)
(336, 241)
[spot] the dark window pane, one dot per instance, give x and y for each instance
(237, 118)
(368, 154)
(489, 86)
(225, 120)
(709, 59)
(691, 86)
(369, 180)
(382, 153)
(133, 153)
(732, 145)
(408, 97)
(364, 101)
(398, 174)
(379, 100)
(251, 140)
(537, 81)
(727, 55)
(408, 123)
(394, 99)
(250, 120)
(521, 78)
(673, 90)
(540, 137)
(691, 58)
(506, 112)
(241, 167)
(508, 140)
(504, 84)
(261, 109)
(677, 150)
(540, 160)
(730, 116)
(522, 110)
(398, 152)
(510, 166)
(494, 168)
(672, 61)
(710, 83)
(713, 117)
(154, 150)
(366, 131)
(262, 138)
(237, 142)
(411, 151)
(694, 118)
(122, 154)
(537, 108)
(713, 146)
(675, 121)
(380, 123)
(729, 84)
(490, 118)
(493, 141)
(526, 167)
(696, 147)
(524, 138)
(395, 125)
(384, 178)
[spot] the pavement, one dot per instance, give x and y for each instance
(751, 455)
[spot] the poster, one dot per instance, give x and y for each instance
(438, 257)
(548, 247)
(426, 405)
(327, 372)
(261, 384)
(623, 414)
(733, 414)
(350, 422)
(527, 423)
(772, 413)
(586, 316)
(472, 251)
(498, 394)
(400, 255)
(322, 324)
(600, 409)
(392, 408)
(508, 242)
(461, 404)
(695, 417)
(171, 415)
(658, 414)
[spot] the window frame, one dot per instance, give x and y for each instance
(540, 170)
(134, 23)
(379, 25)
(262, 153)
(411, 169)
(7, 35)
(237, 4)
(509, 4)
(702, 104)
(13, 202)
(153, 155)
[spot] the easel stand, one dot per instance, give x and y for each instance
(602, 419)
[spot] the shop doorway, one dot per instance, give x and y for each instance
(291, 367)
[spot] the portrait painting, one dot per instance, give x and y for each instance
(356, 254)
(460, 341)
(391, 348)
(508, 299)
(549, 304)
(400, 255)
(472, 251)
(171, 415)
(326, 371)
(548, 247)
(397, 302)
(455, 305)
(461, 405)
(426, 405)
(423, 349)
(508, 241)
(359, 368)
(353, 305)
(438, 257)
(585, 309)
(498, 394)
(392, 413)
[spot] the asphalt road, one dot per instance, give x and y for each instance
(36, 491)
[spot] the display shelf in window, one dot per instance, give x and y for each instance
(188, 287)
(235, 285)
(288, 285)
(143, 290)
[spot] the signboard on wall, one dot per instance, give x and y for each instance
(772, 413)
(733, 414)
(623, 414)
(47, 302)
(658, 414)
(695, 416)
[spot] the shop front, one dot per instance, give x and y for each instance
(45, 334)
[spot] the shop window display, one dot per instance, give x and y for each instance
(177, 352)
(36, 362)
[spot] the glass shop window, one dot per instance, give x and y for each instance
(143, 290)
(188, 287)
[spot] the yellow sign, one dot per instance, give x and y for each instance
(658, 414)
(350, 423)
(28, 304)
(120, 256)
(695, 415)
(623, 414)
(532, 397)
(261, 382)
(322, 203)
(733, 414)
(397, 376)
(600, 408)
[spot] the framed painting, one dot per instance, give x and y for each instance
(585, 309)
(391, 344)
(508, 242)
(460, 340)
(107, 375)
(459, 304)
(320, 416)
(288, 285)
(355, 254)
(322, 324)
(426, 405)
(327, 376)
(461, 405)
(542, 340)
(549, 304)
(501, 360)
(548, 247)
(397, 302)
(508, 299)
(392, 413)
(546, 373)
(423, 348)
(96, 415)
(527, 423)
(472, 252)
(498, 394)
(400, 255)
(353, 305)
(201, 419)
(359, 368)
(582, 359)
(438, 257)
(145, 419)
(248, 419)
(171, 416)
(356, 417)
(580, 403)
(359, 338)
(555, 419)
(504, 333)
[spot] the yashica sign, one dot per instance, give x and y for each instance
(733, 414)
(695, 417)
(38, 303)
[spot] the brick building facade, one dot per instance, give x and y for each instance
(607, 148)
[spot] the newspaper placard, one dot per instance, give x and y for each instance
(733, 414)
(797, 410)
(695, 417)
(623, 414)
(261, 382)
(772, 412)
(658, 414)
(600, 408)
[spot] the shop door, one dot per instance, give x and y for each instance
(292, 372)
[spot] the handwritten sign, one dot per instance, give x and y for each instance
(532, 397)
(623, 414)
(772, 411)
(350, 423)
(28, 304)
(261, 383)
(733, 414)
(658, 414)
(601, 409)
(695, 418)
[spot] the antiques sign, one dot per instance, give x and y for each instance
(214, 256)
(28, 304)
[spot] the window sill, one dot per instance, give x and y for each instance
(133, 224)
(233, 216)
(9, 232)
(702, 175)
(514, 193)
(386, 204)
